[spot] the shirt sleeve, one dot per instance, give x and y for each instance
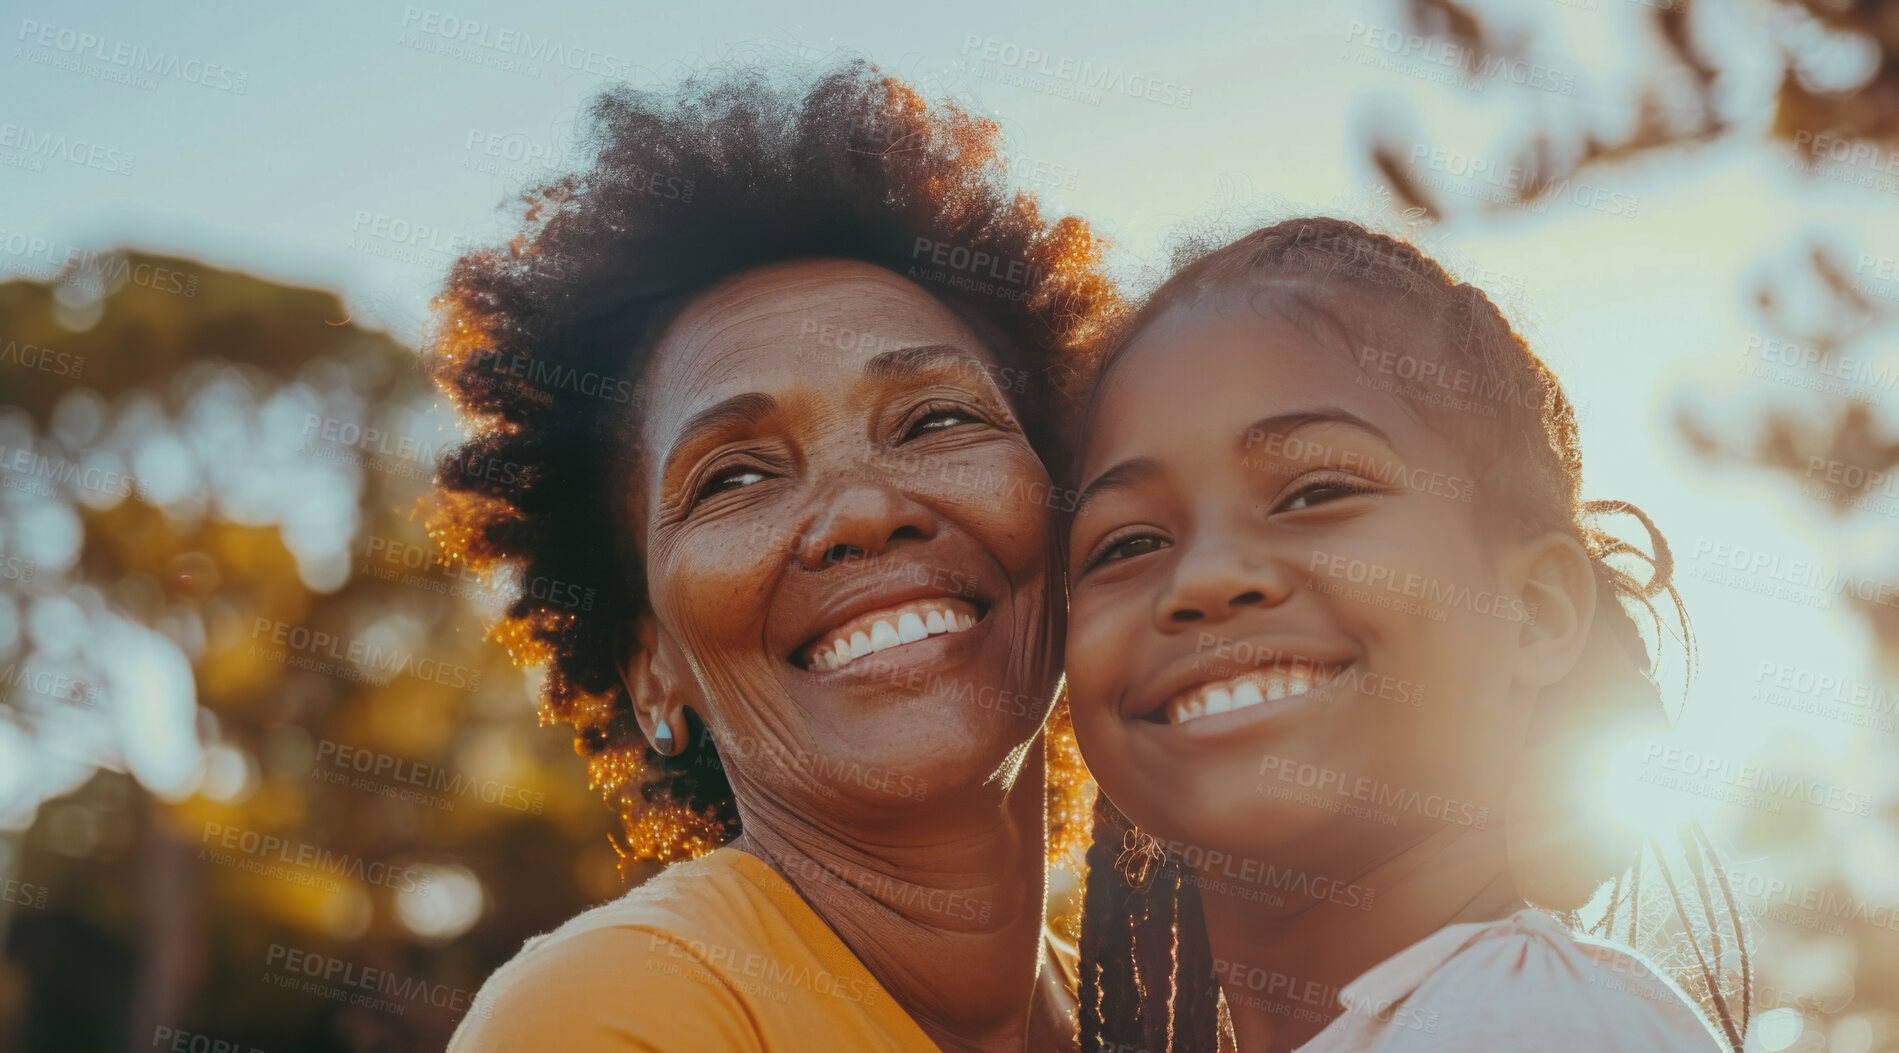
(1523, 990)
(606, 990)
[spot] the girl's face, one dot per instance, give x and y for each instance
(1287, 641)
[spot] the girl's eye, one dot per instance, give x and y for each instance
(1126, 548)
(1322, 491)
(733, 478)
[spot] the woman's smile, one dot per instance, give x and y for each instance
(891, 624)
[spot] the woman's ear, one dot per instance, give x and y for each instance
(652, 682)
(1559, 592)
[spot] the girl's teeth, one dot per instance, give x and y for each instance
(934, 623)
(1218, 701)
(910, 629)
(860, 645)
(1250, 690)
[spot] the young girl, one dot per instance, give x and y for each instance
(1344, 645)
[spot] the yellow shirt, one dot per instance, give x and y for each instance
(719, 953)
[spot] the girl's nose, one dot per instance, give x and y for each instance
(1216, 579)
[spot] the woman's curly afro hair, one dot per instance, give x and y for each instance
(540, 343)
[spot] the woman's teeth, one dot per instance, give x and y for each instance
(890, 627)
(1247, 689)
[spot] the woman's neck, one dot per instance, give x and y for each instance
(1281, 972)
(948, 918)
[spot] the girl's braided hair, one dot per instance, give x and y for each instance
(540, 344)
(1147, 975)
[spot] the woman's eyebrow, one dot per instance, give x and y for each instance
(736, 413)
(904, 363)
(1286, 423)
(1126, 474)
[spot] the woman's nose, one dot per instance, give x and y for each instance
(863, 519)
(1215, 580)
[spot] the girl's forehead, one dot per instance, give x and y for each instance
(1217, 363)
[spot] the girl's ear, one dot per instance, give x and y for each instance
(1559, 592)
(650, 666)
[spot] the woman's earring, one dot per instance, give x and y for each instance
(663, 738)
(1141, 855)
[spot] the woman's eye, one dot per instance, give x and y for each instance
(1321, 492)
(1127, 548)
(730, 479)
(939, 420)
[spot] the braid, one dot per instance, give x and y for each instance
(1111, 999)
(1196, 1007)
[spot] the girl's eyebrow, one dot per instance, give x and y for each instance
(1126, 474)
(1286, 423)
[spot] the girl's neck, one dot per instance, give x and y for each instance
(947, 915)
(1282, 972)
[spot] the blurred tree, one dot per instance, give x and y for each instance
(249, 724)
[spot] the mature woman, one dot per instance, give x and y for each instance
(759, 397)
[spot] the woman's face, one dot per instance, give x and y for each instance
(845, 535)
(1286, 641)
